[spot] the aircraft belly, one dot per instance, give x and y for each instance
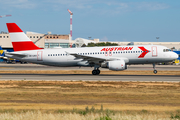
(148, 60)
(60, 61)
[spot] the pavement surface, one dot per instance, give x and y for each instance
(89, 77)
(116, 77)
(44, 67)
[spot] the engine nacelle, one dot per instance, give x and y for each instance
(117, 65)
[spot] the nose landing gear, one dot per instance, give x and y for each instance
(155, 71)
(154, 67)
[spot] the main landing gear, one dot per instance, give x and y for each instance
(96, 70)
(154, 67)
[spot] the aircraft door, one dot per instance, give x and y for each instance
(154, 51)
(39, 55)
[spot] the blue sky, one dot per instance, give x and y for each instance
(108, 20)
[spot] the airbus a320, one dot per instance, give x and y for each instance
(112, 57)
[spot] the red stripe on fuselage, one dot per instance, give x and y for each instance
(144, 52)
(12, 27)
(25, 45)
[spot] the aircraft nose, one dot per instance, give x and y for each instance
(175, 55)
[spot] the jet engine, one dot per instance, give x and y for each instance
(115, 65)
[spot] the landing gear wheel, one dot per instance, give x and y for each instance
(155, 71)
(98, 72)
(94, 72)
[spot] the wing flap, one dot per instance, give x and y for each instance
(97, 59)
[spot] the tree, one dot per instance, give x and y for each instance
(84, 45)
(101, 44)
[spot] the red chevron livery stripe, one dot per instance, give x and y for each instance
(24, 45)
(145, 51)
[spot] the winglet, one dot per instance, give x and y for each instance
(67, 53)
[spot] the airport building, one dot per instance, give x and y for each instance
(46, 40)
(49, 40)
(56, 40)
(41, 40)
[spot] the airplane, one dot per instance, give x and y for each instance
(2, 56)
(114, 58)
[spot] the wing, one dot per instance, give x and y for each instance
(92, 59)
(88, 58)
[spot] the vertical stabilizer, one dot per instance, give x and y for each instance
(19, 39)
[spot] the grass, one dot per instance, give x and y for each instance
(89, 100)
(38, 115)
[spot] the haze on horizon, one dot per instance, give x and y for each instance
(115, 20)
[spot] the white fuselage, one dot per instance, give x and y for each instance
(141, 54)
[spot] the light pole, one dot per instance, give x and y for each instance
(157, 38)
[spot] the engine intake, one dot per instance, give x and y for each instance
(117, 65)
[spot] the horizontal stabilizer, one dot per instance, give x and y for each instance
(16, 54)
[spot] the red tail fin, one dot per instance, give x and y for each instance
(19, 39)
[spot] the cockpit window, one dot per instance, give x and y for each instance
(166, 50)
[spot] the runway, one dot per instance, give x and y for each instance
(44, 67)
(87, 77)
